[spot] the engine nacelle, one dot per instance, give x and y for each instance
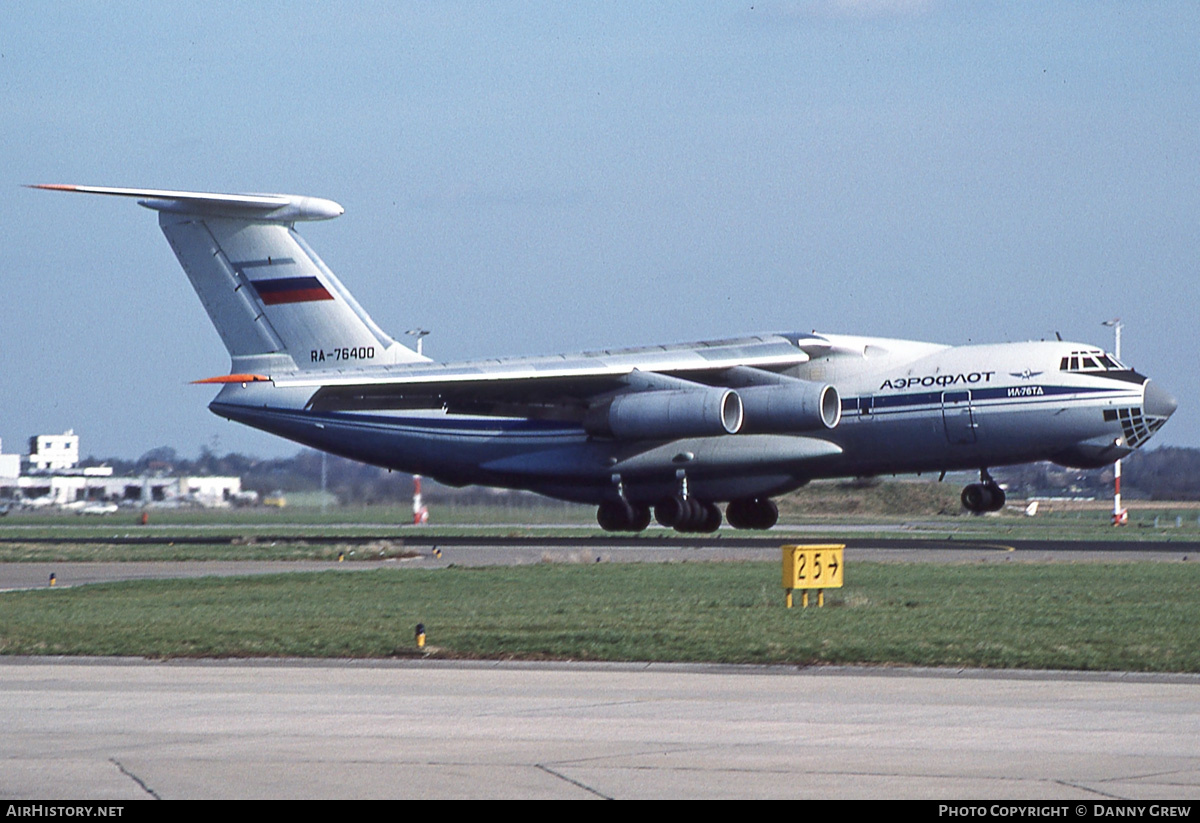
(794, 406)
(667, 414)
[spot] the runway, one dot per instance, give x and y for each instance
(488, 551)
(127, 730)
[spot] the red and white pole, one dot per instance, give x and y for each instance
(420, 512)
(1120, 516)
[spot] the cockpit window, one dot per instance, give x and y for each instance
(1091, 361)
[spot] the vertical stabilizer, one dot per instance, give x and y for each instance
(275, 304)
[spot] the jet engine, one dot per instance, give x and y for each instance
(798, 405)
(667, 414)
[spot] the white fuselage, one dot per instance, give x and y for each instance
(905, 407)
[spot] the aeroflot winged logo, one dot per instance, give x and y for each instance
(290, 290)
(1025, 375)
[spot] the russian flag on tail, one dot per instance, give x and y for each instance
(290, 290)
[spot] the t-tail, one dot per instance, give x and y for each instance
(275, 304)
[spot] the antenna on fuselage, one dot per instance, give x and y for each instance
(1059, 336)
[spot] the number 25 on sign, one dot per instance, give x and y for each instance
(812, 567)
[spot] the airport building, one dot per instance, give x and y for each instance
(50, 475)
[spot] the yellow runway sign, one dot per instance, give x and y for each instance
(812, 567)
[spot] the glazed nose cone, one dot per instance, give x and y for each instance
(1157, 401)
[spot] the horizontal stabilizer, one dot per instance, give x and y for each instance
(273, 208)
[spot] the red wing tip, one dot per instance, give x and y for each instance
(234, 378)
(52, 186)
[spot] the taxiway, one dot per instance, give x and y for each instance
(123, 730)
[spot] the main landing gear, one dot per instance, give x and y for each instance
(687, 514)
(984, 496)
(622, 516)
(752, 513)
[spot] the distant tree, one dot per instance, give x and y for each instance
(1166, 473)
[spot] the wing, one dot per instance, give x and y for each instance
(688, 389)
(567, 381)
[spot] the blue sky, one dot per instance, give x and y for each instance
(538, 177)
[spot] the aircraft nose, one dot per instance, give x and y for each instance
(1157, 401)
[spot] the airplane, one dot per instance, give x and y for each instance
(674, 429)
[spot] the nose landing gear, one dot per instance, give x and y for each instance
(985, 496)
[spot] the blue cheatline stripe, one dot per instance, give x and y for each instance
(1015, 394)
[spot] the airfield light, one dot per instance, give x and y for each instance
(420, 335)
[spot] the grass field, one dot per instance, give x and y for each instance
(1109, 616)
(1130, 617)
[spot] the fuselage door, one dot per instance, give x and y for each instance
(866, 407)
(958, 416)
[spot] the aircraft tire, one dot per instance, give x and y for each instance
(767, 514)
(752, 513)
(998, 498)
(672, 511)
(973, 498)
(735, 514)
(978, 498)
(641, 518)
(712, 518)
(691, 516)
(622, 516)
(615, 516)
